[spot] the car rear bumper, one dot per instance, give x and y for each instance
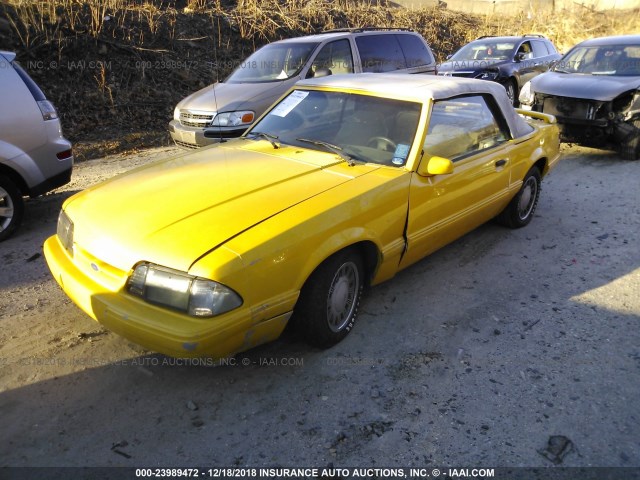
(156, 328)
(51, 183)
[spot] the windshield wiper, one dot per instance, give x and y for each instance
(332, 148)
(267, 136)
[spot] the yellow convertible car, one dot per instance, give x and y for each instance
(342, 183)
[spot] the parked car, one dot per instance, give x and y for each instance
(594, 92)
(510, 61)
(226, 109)
(34, 156)
(344, 182)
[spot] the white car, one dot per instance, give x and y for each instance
(34, 156)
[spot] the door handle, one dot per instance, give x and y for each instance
(501, 163)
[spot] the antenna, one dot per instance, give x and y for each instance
(215, 59)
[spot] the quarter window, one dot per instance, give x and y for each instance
(415, 51)
(539, 49)
(462, 126)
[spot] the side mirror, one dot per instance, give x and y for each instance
(435, 166)
(449, 56)
(520, 56)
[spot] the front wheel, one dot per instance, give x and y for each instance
(512, 91)
(11, 207)
(520, 210)
(329, 300)
(630, 148)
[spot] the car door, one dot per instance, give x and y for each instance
(470, 131)
(541, 55)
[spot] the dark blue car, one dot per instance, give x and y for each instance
(511, 61)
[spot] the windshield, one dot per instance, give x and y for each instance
(352, 126)
(489, 49)
(276, 61)
(618, 60)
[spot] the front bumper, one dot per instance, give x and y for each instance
(156, 328)
(191, 137)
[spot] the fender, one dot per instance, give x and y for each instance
(21, 164)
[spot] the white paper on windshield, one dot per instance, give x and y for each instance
(289, 103)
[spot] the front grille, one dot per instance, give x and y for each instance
(197, 120)
(186, 145)
(570, 108)
(459, 73)
(463, 74)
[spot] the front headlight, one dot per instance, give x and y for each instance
(527, 95)
(195, 296)
(488, 75)
(65, 231)
(176, 113)
(233, 119)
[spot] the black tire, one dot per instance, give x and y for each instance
(512, 91)
(521, 208)
(11, 208)
(328, 305)
(630, 149)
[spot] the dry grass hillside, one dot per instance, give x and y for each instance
(116, 68)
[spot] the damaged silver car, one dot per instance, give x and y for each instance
(594, 93)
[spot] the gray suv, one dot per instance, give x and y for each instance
(226, 109)
(34, 156)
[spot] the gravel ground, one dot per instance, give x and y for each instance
(476, 356)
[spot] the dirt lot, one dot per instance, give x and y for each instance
(473, 357)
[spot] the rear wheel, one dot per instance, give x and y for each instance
(329, 300)
(11, 207)
(520, 210)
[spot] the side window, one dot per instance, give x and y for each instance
(551, 48)
(380, 53)
(415, 51)
(539, 49)
(525, 49)
(31, 85)
(334, 56)
(462, 126)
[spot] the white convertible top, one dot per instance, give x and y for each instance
(421, 88)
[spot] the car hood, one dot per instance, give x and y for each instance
(468, 65)
(227, 97)
(575, 85)
(175, 211)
